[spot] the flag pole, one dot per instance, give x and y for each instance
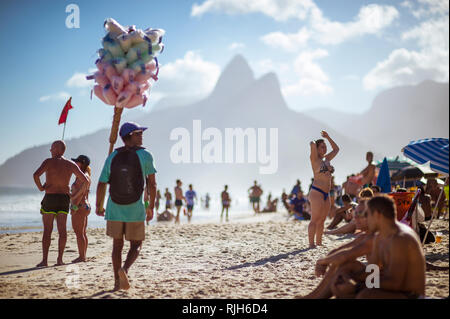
(64, 130)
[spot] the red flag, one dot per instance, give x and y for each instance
(65, 111)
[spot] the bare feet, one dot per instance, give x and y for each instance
(123, 278)
(78, 260)
(59, 262)
(42, 264)
(116, 285)
(312, 246)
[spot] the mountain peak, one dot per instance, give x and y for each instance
(236, 75)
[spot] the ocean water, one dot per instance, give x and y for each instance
(20, 211)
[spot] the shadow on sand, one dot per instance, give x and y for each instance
(271, 259)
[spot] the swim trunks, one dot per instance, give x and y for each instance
(225, 203)
(178, 202)
(254, 199)
(190, 207)
(55, 204)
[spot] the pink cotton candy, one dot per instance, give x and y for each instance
(123, 98)
(101, 79)
(135, 101)
(128, 76)
(109, 95)
(98, 91)
(110, 71)
(117, 84)
(101, 65)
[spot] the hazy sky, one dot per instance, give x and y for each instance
(336, 54)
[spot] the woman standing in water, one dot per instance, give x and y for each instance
(80, 207)
(320, 189)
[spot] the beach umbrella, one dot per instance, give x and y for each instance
(384, 180)
(435, 151)
(407, 174)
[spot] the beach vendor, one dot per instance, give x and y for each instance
(127, 169)
(56, 202)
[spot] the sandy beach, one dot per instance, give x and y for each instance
(267, 259)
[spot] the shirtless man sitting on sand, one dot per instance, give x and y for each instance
(397, 252)
(342, 260)
(58, 171)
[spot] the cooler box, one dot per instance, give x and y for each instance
(402, 202)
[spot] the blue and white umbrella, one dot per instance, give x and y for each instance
(433, 150)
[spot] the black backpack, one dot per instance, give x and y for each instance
(126, 182)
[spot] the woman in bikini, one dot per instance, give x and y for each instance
(319, 194)
(80, 207)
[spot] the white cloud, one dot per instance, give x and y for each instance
(287, 41)
(236, 46)
(407, 67)
(427, 8)
(312, 79)
(78, 80)
(60, 96)
(188, 76)
(371, 19)
(278, 10)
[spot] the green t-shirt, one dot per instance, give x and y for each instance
(134, 212)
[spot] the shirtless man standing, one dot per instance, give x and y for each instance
(58, 171)
(178, 199)
(369, 172)
(397, 251)
(255, 196)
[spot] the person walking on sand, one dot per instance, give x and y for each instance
(56, 202)
(225, 202)
(158, 198)
(319, 194)
(168, 197)
(81, 208)
(255, 196)
(190, 196)
(127, 170)
(178, 199)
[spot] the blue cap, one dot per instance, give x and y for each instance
(129, 127)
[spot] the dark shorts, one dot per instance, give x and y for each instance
(178, 202)
(190, 207)
(254, 199)
(225, 203)
(55, 204)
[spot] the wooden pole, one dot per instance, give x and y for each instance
(114, 128)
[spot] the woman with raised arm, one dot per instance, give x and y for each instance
(320, 189)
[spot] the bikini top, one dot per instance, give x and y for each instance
(325, 167)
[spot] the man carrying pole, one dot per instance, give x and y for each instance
(126, 170)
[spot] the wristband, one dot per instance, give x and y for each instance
(74, 207)
(146, 203)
